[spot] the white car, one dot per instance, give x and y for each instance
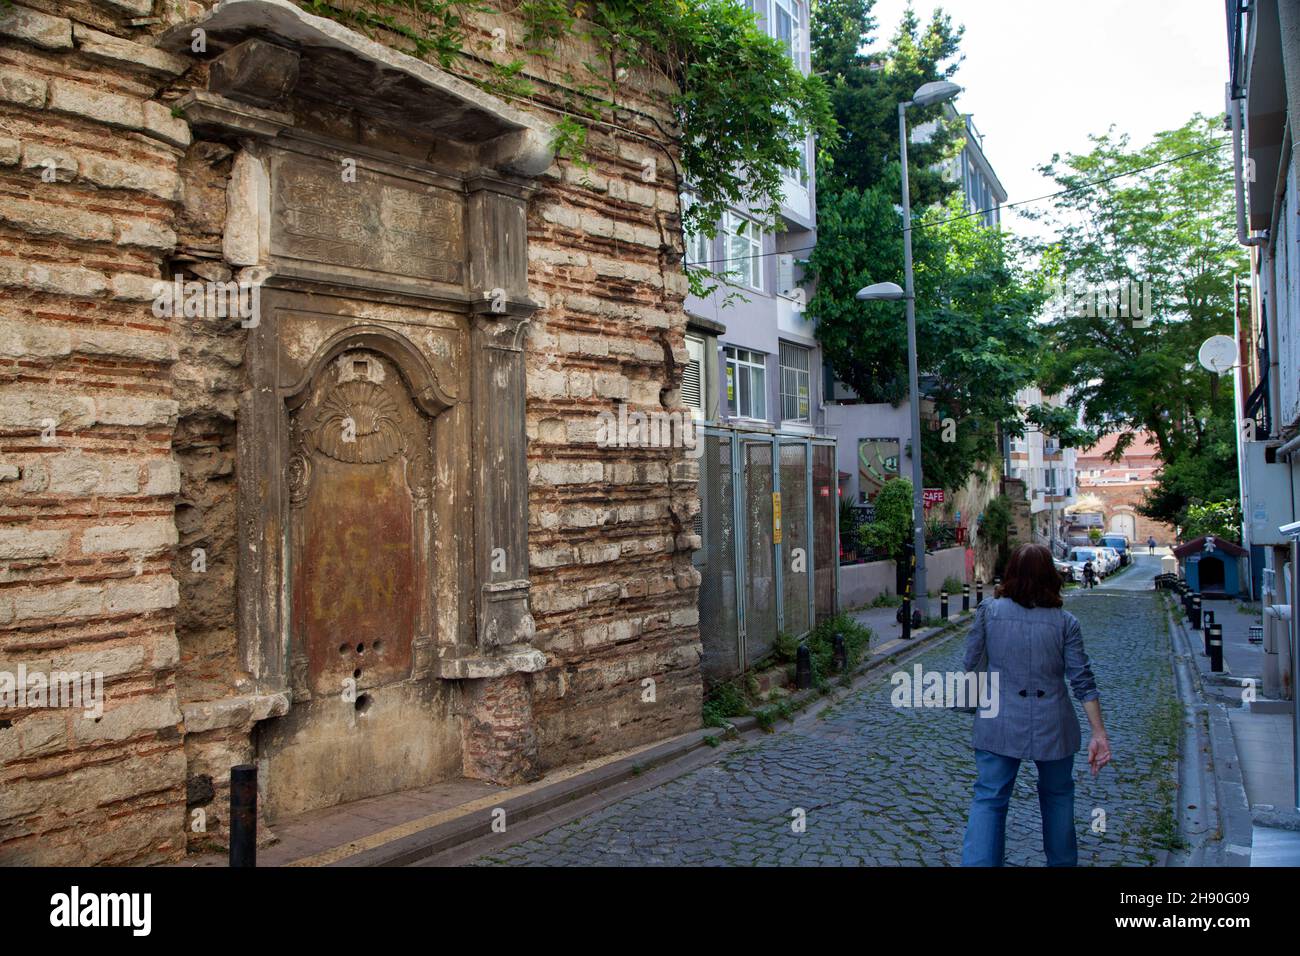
(1078, 557)
(1113, 556)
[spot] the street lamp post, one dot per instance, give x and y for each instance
(927, 95)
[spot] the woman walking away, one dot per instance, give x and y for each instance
(1033, 646)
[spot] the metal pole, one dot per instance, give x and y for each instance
(965, 597)
(943, 605)
(1295, 670)
(913, 384)
(243, 815)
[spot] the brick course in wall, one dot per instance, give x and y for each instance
(118, 449)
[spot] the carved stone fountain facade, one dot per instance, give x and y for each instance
(392, 552)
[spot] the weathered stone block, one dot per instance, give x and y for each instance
(135, 411)
(124, 344)
(40, 160)
(22, 408)
(50, 219)
(27, 340)
(76, 474)
(125, 53)
(161, 124)
(144, 536)
(112, 109)
(36, 28)
(64, 601)
(23, 89)
(129, 718)
(66, 280)
(18, 544)
(163, 478)
(155, 594)
(146, 233)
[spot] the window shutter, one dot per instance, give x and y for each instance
(693, 376)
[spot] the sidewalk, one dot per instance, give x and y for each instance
(1263, 740)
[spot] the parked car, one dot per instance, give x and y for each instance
(1120, 543)
(1065, 569)
(1078, 557)
(1112, 556)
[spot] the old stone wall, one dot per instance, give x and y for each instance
(118, 446)
(89, 189)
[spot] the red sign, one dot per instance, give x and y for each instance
(932, 496)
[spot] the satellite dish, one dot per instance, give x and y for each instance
(1218, 353)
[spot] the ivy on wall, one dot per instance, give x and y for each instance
(740, 104)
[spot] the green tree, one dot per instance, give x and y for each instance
(975, 297)
(866, 88)
(1160, 214)
(1219, 518)
(892, 526)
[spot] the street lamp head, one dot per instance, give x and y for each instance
(938, 91)
(880, 292)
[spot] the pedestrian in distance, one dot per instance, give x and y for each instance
(1034, 646)
(1151, 544)
(1089, 575)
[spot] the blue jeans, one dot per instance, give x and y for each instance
(986, 833)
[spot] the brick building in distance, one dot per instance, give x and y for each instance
(303, 351)
(1121, 486)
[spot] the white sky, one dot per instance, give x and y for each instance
(1040, 75)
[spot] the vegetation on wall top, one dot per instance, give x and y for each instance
(741, 105)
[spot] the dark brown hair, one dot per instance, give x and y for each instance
(1031, 578)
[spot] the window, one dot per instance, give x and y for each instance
(746, 382)
(796, 383)
(744, 251)
(800, 172)
(699, 247)
(788, 27)
(693, 376)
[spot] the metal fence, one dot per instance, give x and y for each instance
(770, 556)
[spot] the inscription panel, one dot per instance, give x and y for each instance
(379, 223)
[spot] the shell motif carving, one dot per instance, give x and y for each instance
(358, 423)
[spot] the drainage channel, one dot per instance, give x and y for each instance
(1198, 810)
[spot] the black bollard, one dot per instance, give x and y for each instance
(979, 593)
(839, 653)
(1194, 612)
(243, 815)
(907, 619)
(1216, 648)
(1207, 619)
(803, 668)
(965, 598)
(943, 605)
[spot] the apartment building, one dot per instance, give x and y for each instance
(1264, 79)
(754, 360)
(767, 523)
(1048, 471)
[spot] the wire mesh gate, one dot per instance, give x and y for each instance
(769, 519)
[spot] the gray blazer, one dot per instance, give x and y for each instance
(1033, 651)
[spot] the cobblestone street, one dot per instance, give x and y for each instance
(890, 786)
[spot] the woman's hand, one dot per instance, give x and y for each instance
(1098, 752)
